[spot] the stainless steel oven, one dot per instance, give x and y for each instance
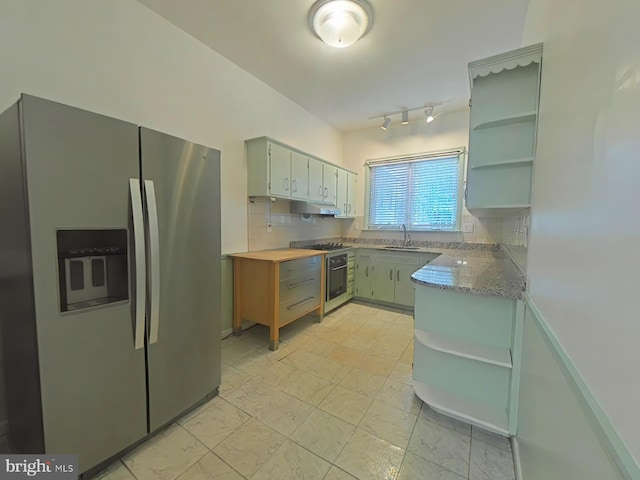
(336, 275)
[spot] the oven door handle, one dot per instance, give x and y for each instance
(333, 269)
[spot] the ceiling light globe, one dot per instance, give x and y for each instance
(340, 30)
(340, 23)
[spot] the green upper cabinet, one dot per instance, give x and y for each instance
(299, 176)
(502, 130)
(346, 193)
(316, 189)
(277, 170)
(329, 179)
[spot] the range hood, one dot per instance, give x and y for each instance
(313, 208)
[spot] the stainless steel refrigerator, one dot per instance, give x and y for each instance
(109, 279)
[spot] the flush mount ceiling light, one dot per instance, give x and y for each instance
(386, 123)
(340, 23)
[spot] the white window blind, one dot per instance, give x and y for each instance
(421, 193)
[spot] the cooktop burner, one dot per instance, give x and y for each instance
(327, 246)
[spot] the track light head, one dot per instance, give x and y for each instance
(428, 113)
(405, 117)
(386, 123)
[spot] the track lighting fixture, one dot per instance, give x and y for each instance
(429, 115)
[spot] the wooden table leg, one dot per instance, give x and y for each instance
(274, 308)
(237, 296)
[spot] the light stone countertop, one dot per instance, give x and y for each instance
(469, 268)
(473, 271)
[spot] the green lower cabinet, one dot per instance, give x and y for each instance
(363, 274)
(467, 350)
(383, 281)
(392, 278)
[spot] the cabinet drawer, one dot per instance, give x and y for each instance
(299, 268)
(296, 288)
(307, 298)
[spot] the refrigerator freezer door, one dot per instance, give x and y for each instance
(184, 363)
(92, 379)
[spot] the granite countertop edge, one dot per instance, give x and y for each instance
(498, 277)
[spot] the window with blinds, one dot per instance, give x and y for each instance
(421, 193)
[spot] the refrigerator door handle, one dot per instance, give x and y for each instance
(138, 242)
(154, 261)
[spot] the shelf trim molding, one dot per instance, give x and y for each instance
(500, 357)
(512, 162)
(506, 61)
(522, 117)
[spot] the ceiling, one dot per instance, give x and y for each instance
(415, 54)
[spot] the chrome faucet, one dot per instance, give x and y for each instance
(404, 228)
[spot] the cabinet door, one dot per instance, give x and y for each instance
(351, 195)
(341, 194)
(299, 176)
(364, 272)
(404, 287)
(279, 170)
(383, 280)
(316, 191)
(329, 179)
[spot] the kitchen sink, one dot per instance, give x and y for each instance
(394, 247)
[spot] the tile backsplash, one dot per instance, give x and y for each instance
(271, 225)
(485, 230)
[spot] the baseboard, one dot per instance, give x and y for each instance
(515, 450)
(4, 427)
(226, 333)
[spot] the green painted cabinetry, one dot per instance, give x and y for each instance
(363, 273)
(467, 356)
(277, 170)
(385, 277)
(502, 136)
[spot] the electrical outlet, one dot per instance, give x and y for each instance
(467, 227)
(356, 226)
(269, 228)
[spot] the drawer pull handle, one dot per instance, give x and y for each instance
(297, 304)
(294, 285)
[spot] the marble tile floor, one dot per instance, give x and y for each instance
(334, 402)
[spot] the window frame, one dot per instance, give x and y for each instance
(435, 155)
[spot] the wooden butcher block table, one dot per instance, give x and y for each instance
(276, 287)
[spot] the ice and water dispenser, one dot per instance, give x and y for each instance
(92, 268)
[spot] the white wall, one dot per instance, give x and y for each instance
(119, 58)
(448, 131)
(583, 254)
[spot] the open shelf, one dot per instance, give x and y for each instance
(464, 348)
(488, 211)
(510, 162)
(510, 120)
(463, 409)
